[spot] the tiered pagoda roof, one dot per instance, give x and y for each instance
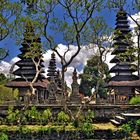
(53, 73)
(26, 65)
(124, 68)
(27, 70)
(52, 67)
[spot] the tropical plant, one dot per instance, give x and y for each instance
(95, 76)
(87, 128)
(33, 116)
(89, 116)
(12, 116)
(135, 100)
(6, 94)
(63, 118)
(3, 136)
(46, 116)
(128, 128)
(138, 127)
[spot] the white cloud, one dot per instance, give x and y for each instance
(133, 24)
(6, 66)
(79, 61)
(135, 17)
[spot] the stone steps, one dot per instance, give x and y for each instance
(114, 122)
(118, 120)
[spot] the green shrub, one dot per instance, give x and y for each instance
(46, 116)
(24, 130)
(16, 116)
(135, 100)
(89, 116)
(63, 117)
(138, 127)
(3, 136)
(87, 128)
(128, 128)
(11, 117)
(6, 94)
(33, 116)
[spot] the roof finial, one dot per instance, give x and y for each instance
(121, 4)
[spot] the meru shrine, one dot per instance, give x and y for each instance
(49, 90)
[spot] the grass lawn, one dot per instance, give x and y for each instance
(105, 126)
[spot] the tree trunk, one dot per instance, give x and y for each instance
(139, 53)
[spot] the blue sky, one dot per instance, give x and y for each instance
(9, 44)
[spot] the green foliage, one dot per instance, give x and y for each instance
(135, 100)
(29, 116)
(138, 127)
(3, 54)
(33, 115)
(16, 116)
(126, 128)
(63, 117)
(3, 79)
(116, 4)
(6, 94)
(46, 115)
(130, 127)
(87, 128)
(8, 12)
(12, 116)
(3, 136)
(95, 75)
(89, 116)
(24, 130)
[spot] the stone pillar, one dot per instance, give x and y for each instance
(75, 96)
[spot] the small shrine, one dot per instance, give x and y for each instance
(52, 88)
(26, 72)
(54, 78)
(75, 96)
(52, 72)
(124, 68)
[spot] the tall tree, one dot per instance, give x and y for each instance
(95, 76)
(74, 17)
(99, 34)
(9, 11)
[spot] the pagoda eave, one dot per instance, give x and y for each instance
(135, 83)
(124, 78)
(23, 84)
(117, 60)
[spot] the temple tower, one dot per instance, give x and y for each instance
(123, 68)
(52, 67)
(27, 71)
(54, 77)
